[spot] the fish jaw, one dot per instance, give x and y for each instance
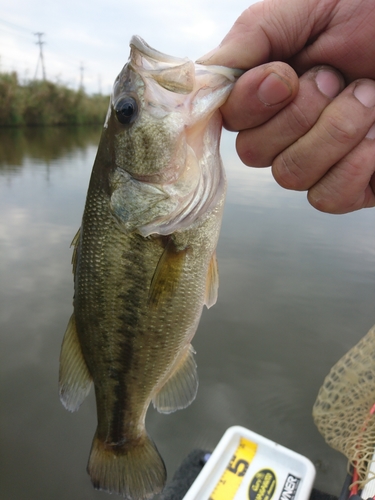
(168, 155)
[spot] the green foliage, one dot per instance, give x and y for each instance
(11, 100)
(47, 103)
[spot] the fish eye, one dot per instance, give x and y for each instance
(126, 110)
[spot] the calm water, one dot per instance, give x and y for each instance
(297, 291)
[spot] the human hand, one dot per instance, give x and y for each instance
(319, 137)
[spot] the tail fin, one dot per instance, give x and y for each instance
(134, 470)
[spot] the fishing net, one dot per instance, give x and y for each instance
(345, 407)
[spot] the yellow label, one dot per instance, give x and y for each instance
(233, 475)
(263, 485)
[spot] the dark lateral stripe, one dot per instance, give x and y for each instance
(128, 330)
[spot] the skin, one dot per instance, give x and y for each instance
(310, 87)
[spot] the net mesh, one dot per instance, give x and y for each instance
(343, 408)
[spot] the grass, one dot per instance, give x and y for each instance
(46, 103)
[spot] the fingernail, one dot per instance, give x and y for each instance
(273, 90)
(328, 83)
(205, 59)
(365, 93)
(371, 133)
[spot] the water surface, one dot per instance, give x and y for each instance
(297, 290)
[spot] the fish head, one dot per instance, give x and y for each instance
(161, 127)
(146, 113)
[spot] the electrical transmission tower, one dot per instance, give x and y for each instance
(81, 70)
(40, 58)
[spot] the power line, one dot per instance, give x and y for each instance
(41, 59)
(15, 26)
(18, 58)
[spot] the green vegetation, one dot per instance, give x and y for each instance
(46, 103)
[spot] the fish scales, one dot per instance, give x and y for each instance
(144, 260)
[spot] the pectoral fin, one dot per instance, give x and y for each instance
(167, 274)
(75, 379)
(74, 244)
(212, 282)
(181, 387)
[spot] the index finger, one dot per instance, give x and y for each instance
(258, 95)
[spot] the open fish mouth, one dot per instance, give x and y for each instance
(138, 43)
(162, 61)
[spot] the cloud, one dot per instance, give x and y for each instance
(96, 35)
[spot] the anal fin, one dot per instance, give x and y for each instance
(212, 282)
(181, 387)
(74, 378)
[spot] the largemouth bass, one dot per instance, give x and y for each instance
(144, 260)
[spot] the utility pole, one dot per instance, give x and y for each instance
(81, 70)
(40, 58)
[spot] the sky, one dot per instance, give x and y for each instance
(88, 40)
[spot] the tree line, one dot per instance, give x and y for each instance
(41, 102)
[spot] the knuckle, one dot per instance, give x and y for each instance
(328, 202)
(322, 205)
(299, 120)
(287, 172)
(326, 196)
(245, 151)
(322, 202)
(251, 150)
(340, 131)
(343, 188)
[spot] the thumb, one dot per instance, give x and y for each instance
(267, 31)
